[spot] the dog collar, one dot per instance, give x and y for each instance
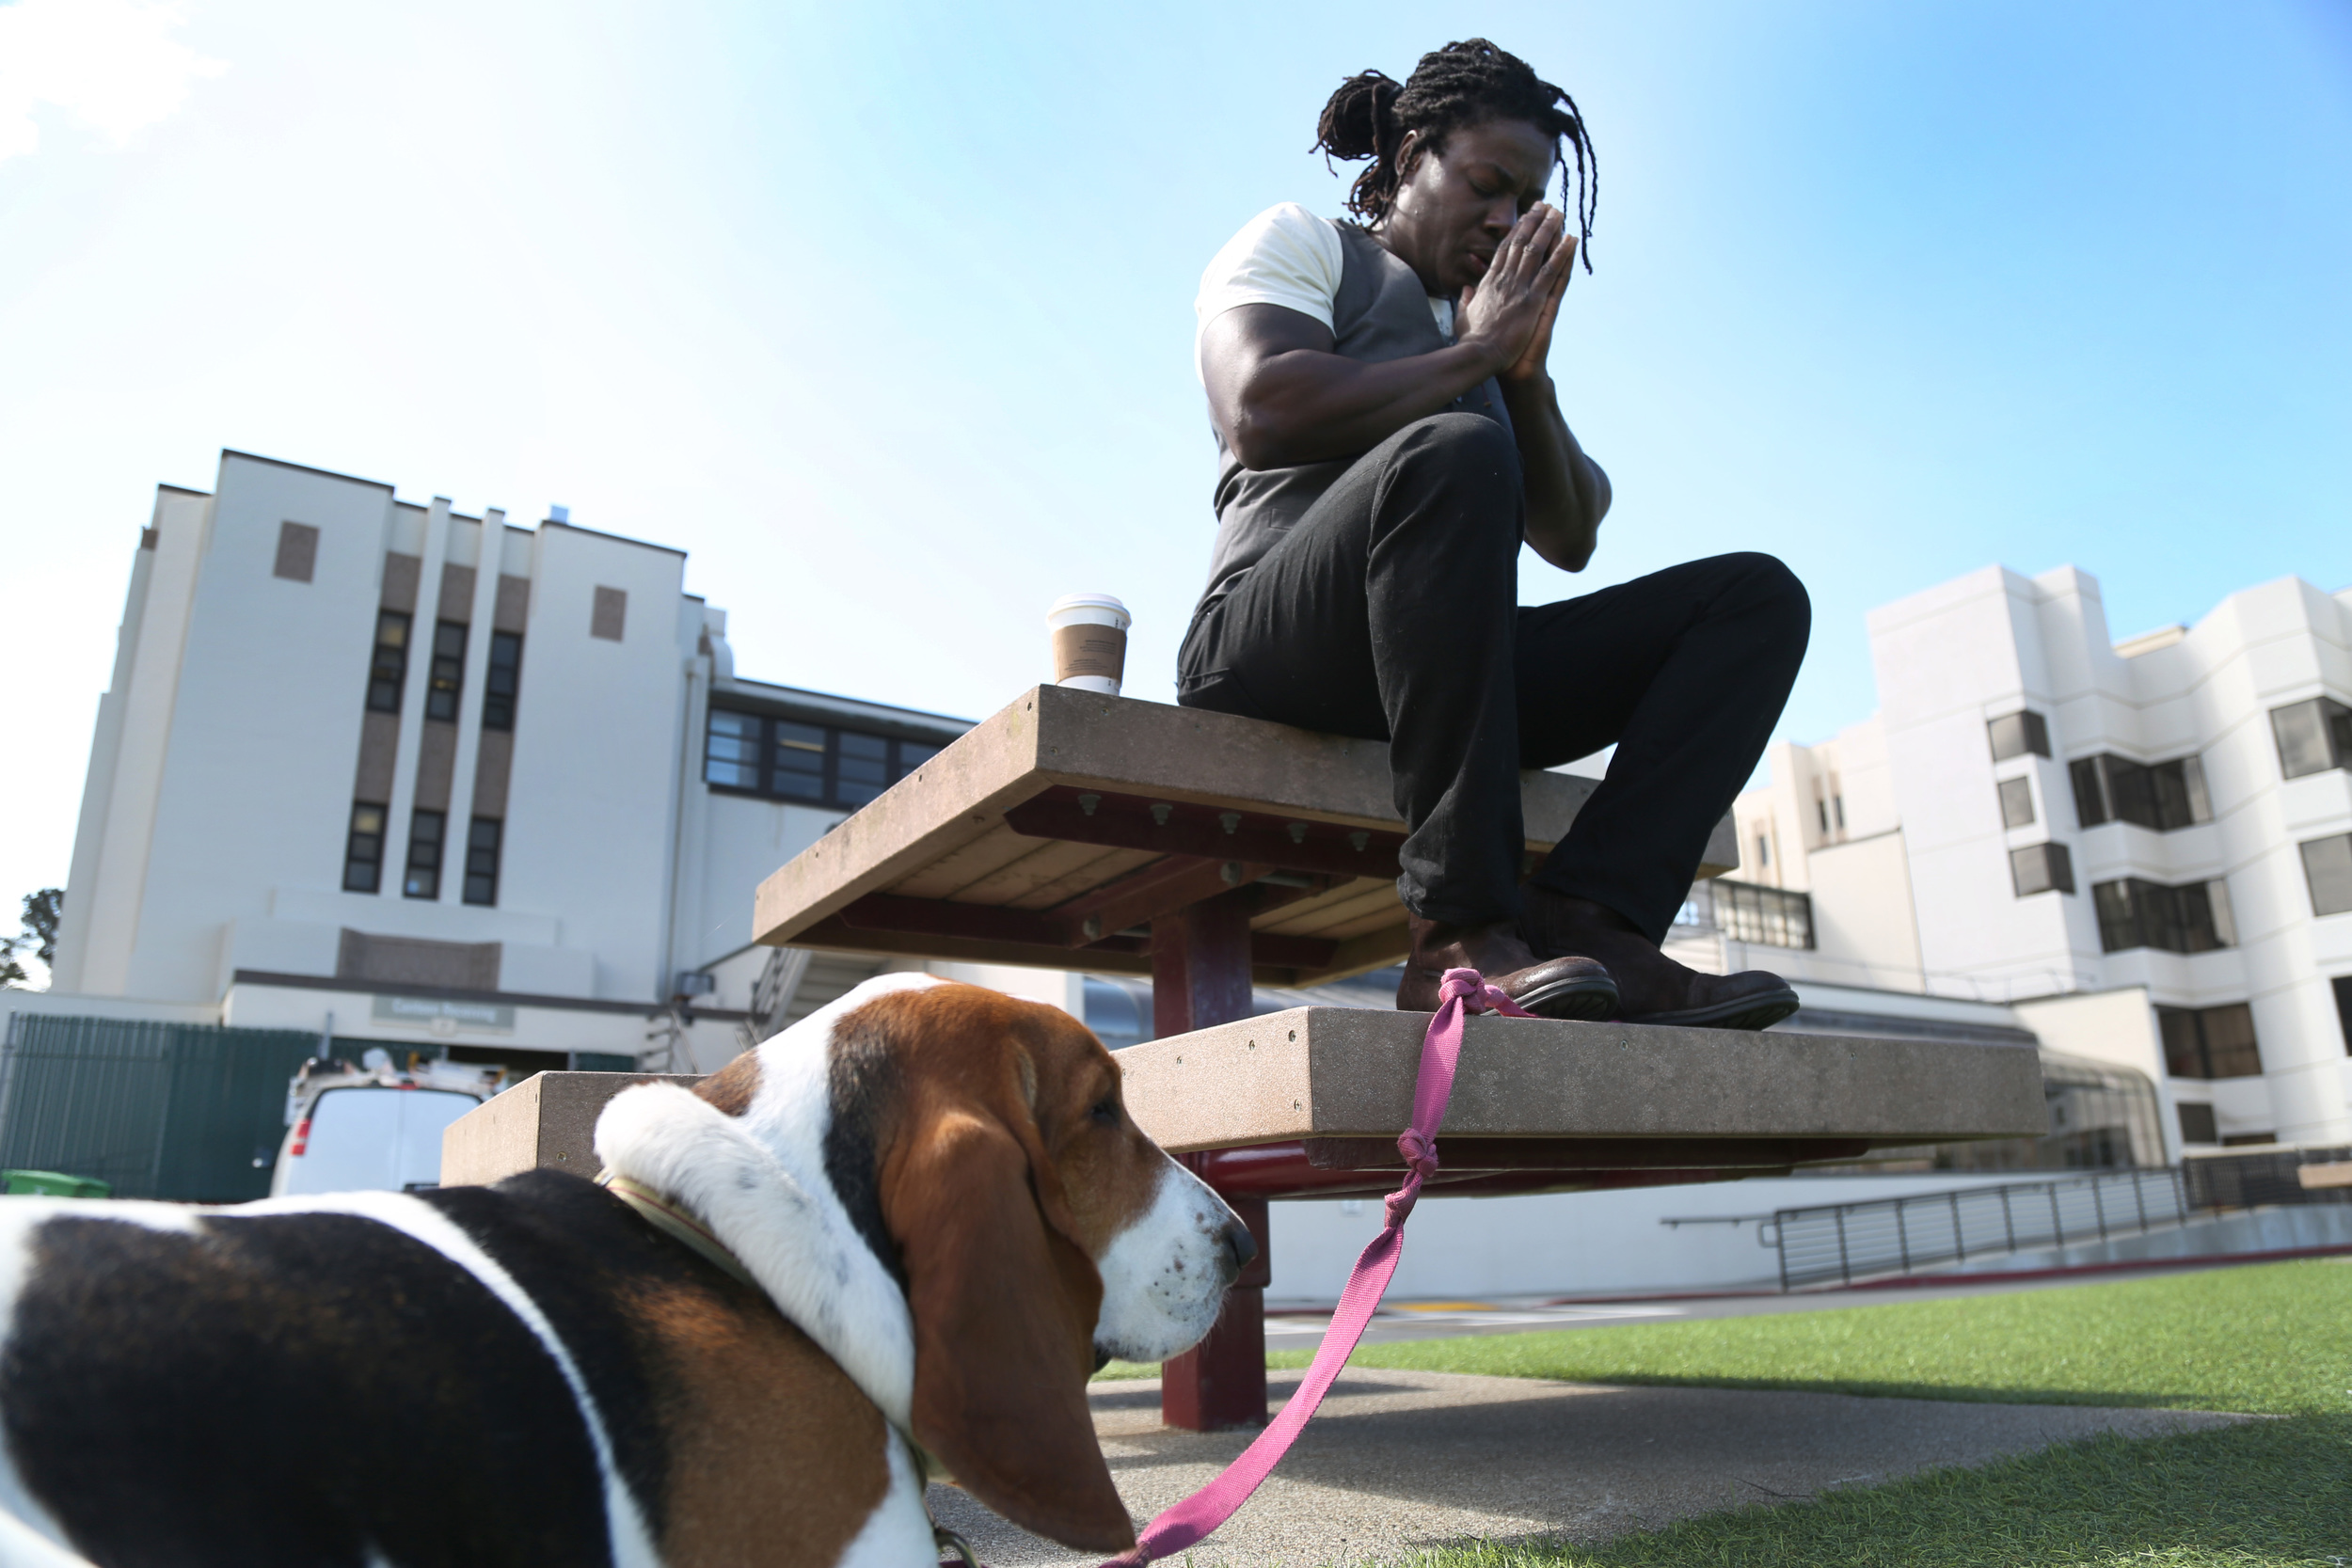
(664, 1215)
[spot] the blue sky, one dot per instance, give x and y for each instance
(883, 312)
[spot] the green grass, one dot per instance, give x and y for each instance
(2273, 1339)
(2267, 1494)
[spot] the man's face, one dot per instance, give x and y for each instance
(1456, 206)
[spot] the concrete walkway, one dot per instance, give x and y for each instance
(1398, 1460)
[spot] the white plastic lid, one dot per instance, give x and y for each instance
(1086, 601)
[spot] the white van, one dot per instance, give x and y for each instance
(372, 1128)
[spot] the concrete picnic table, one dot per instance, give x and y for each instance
(1211, 851)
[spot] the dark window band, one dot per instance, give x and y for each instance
(815, 765)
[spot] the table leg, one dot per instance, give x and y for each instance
(1201, 964)
(1220, 1384)
(1199, 977)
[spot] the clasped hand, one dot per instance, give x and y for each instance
(1510, 311)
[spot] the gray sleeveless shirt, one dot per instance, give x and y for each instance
(1381, 312)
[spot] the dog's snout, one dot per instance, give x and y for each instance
(1166, 1277)
(1239, 1247)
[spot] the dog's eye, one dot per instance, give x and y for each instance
(1105, 1112)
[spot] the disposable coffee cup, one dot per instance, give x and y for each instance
(1088, 636)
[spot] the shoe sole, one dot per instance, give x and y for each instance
(1750, 1013)
(1589, 1001)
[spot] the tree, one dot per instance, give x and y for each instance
(42, 912)
(40, 936)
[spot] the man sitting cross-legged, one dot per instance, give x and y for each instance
(1389, 437)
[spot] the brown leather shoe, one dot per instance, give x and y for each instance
(1563, 987)
(1653, 988)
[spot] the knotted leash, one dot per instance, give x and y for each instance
(1464, 991)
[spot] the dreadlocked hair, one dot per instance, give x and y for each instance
(1462, 85)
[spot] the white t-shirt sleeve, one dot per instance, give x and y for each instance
(1284, 256)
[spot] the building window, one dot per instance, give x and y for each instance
(796, 766)
(2343, 984)
(786, 759)
(389, 671)
(2312, 736)
(363, 849)
(861, 767)
(731, 751)
(1767, 915)
(2016, 802)
(2134, 912)
(297, 552)
(2327, 867)
(482, 860)
(448, 678)
(2014, 735)
(2210, 1043)
(502, 681)
(1764, 851)
(424, 855)
(2039, 867)
(2157, 796)
(608, 613)
(2197, 1124)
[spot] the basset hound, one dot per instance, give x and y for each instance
(895, 1238)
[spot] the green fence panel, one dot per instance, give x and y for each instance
(85, 1096)
(227, 1111)
(182, 1111)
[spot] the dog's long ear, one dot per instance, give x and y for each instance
(1003, 1328)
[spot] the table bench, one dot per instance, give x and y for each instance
(1081, 832)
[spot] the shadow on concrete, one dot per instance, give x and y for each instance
(1399, 1460)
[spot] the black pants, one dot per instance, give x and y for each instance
(1389, 612)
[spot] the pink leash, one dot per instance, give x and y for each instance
(1464, 991)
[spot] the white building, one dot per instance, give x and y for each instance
(374, 769)
(2145, 847)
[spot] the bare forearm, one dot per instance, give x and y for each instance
(1567, 494)
(1305, 406)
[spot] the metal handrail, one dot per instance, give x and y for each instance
(1846, 1242)
(771, 994)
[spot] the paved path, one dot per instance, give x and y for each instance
(1400, 1460)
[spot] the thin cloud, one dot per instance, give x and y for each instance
(110, 64)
